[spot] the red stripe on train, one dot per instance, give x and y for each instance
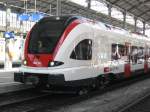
(145, 67)
(127, 70)
(65, 34)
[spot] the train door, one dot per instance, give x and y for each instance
(148, 57)
(146, 53)
(127, 66)
(118, 58)
(137, 59)
(103, 53)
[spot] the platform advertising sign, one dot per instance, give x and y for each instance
(17, 49)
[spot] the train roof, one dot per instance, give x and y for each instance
(68, 18)
(63, 18)
(122, 31)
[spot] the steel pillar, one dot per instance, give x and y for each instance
(124, 19)
(109, 6)
(144, 24)
(135, 24)
(58, 8)
(89, 4)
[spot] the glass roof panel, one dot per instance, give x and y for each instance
(99, 7)
(139, 23)
(80, 2)
(117, 14)
(130, 19)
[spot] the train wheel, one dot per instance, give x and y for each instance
(39, 87)
(82, 91)
(93, 86)
(101, 82)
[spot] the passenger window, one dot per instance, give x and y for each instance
(83, 51)
(134, 54)
(119, 51)
(116, 54)
(140, 53)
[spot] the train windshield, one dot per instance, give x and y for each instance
(44, 36)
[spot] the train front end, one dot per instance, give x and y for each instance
(42, 43)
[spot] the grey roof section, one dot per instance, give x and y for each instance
(139, 8)
(67, 7)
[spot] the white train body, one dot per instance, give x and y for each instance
(85, 52)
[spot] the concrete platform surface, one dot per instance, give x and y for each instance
(7, 83)
(7, 75)
(9, 70)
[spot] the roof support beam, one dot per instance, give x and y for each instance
(144, 24)
(135, 24)
(58, 8)
(50, 9)
(124, 19)
(89, 4)
(116, 1)
(109, 6)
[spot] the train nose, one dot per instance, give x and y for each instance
(32, 80)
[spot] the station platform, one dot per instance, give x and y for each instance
(6, 75)
(7, 83)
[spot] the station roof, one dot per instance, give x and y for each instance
(139, 8)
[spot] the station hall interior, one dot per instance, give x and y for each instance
(19, 17)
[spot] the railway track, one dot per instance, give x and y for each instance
(130, 105)
(36, 102)
(141, 104)
(78, 99)
(15, 98)
(7, 103)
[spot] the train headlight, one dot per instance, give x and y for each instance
(54, 63)
(24, 62)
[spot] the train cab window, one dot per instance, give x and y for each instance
(44, 36)
(83, 51)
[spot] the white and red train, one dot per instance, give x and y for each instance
(75, 51)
